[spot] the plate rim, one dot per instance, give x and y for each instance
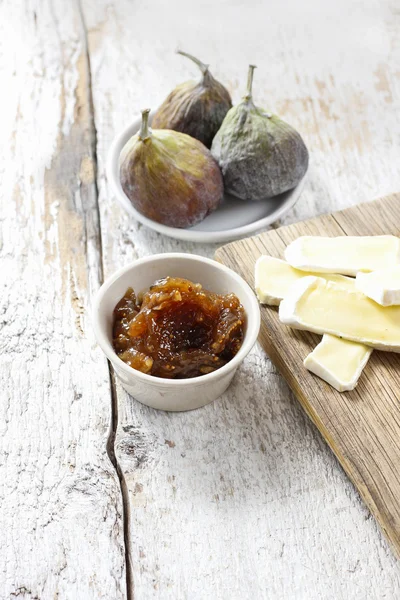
(188, 234)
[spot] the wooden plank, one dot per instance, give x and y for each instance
(61, 506)
(363, 426)
(242, 499)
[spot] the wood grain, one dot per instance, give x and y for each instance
(61, 508)
(243, 499)
(363, 426)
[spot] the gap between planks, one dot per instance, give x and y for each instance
(122, 483)
(110, 446)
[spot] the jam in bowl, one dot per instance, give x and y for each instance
(229, 331)
(177, 329)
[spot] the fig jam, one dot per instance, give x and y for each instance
(177, 329)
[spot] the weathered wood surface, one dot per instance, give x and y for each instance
(61, 505)
(242, 499)
(363, 426)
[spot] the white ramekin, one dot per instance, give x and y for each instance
(173, 394)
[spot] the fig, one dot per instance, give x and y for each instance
(169, 176)
(260, 155)
(196, 108)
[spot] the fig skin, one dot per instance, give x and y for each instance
(260, 155)
(169, 176)
(195, 108)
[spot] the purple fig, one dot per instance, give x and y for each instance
(169, 176)
(195, 107)
(259, 154)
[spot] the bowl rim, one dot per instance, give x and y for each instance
(253, 322)
(188, 233)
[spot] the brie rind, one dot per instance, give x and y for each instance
(383, 286)
(345, 254)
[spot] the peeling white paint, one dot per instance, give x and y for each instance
(61, 505)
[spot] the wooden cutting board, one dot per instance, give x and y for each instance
(363, 426)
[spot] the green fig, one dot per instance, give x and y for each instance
(195, 108)
(169, 176)
(260, 155)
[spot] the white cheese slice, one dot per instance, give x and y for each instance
(338, 362)
(382, 286)
(274, 277)
(346, 254)
(324, 307)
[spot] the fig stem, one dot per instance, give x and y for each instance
(144, 129)
(202, 66)
(249, 94)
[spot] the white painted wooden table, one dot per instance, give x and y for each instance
(102, 497)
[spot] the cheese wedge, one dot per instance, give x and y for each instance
(274, 277)
(382, 286)
(346, 255)
(324, 307)
(338, 362)
(329, 360)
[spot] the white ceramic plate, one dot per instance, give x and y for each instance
(233, 219)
